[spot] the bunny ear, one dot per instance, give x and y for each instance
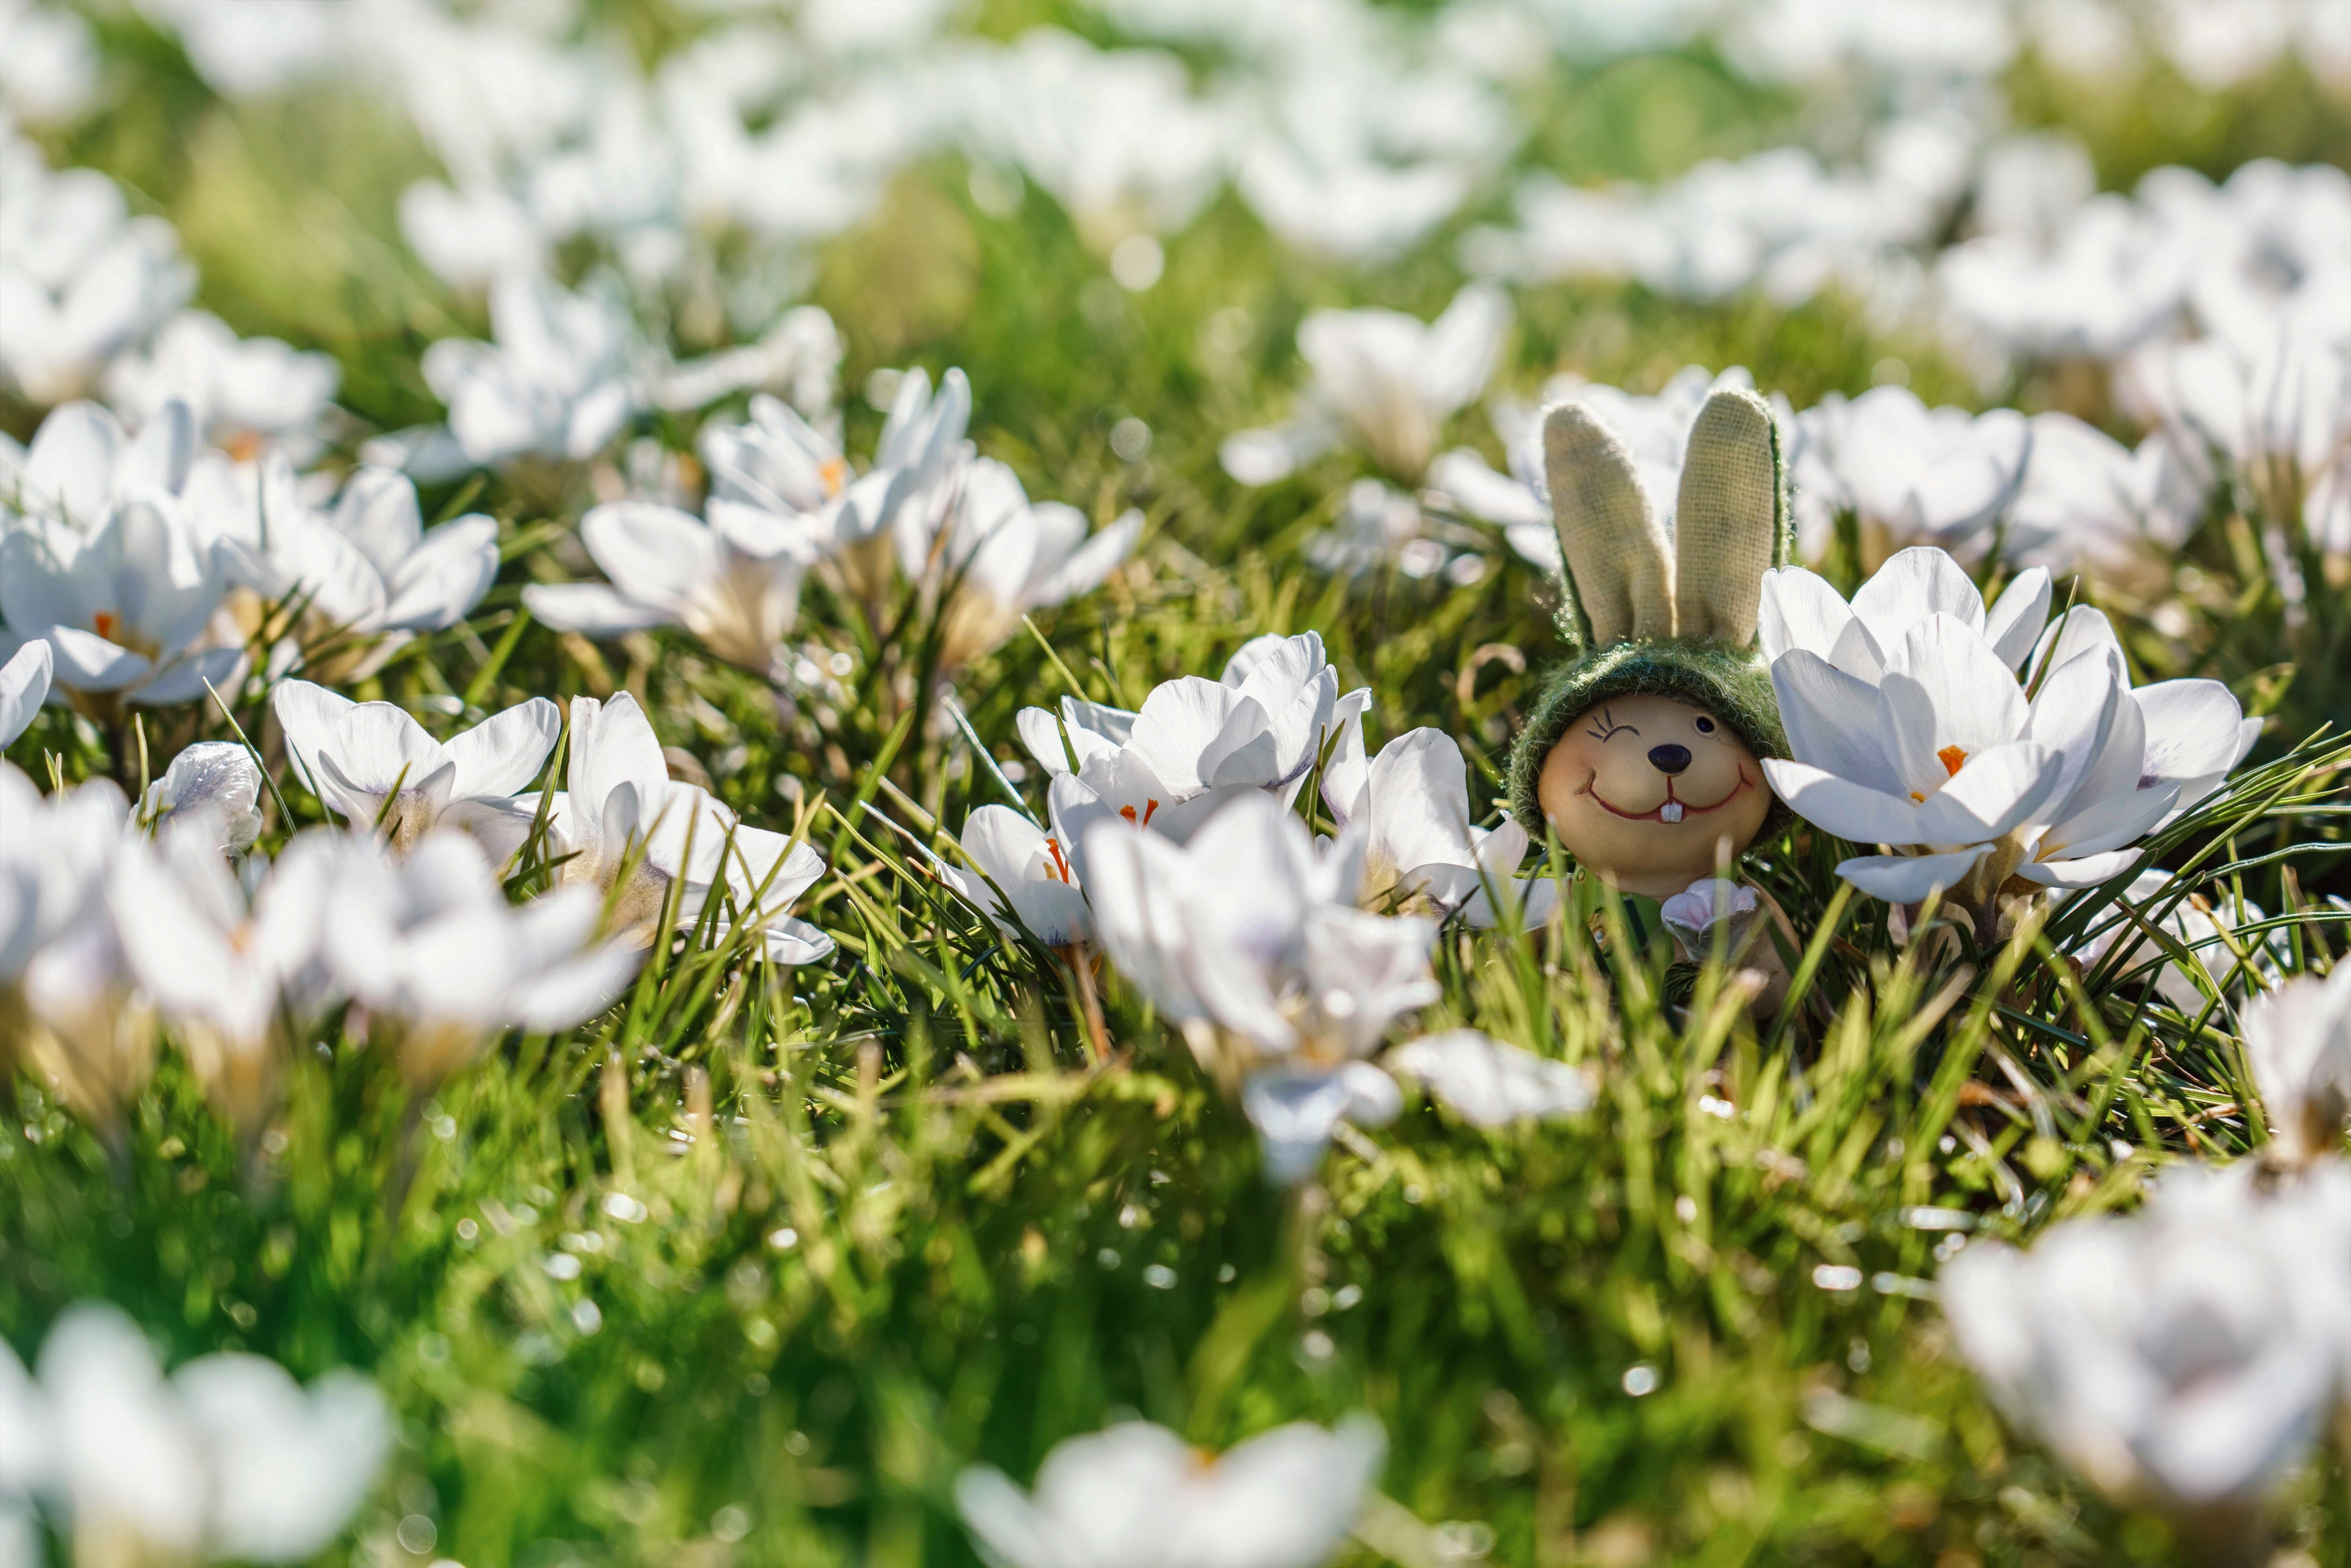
(1618, 569)
(1729, 516)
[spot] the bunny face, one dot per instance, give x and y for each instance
(1652, 793)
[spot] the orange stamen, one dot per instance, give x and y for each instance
(835, 474)
(1951, 758)
(1148, 807)
(1060, 865)
(104, 622)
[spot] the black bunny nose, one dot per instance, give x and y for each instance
(1669, 759)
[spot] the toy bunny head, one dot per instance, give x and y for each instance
(1642, 753)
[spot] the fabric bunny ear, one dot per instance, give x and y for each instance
(1729, 516)
(1619, 569)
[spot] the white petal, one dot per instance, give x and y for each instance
(505, 751)
(1491, 1084)
(1850, 810)
(1908, 879)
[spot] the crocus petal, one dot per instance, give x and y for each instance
(505, 750)
(1850, 810)
(24, 686)
(1908, 879)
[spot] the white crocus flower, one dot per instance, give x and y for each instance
(53, 860)
(556, 382)
(229, 1459)
(250, 396)
(862, 526)
(66, 997)
(733, 581)
(1194, 744)
(2274, 413)
(1799, 610)
(1251, 939)
(1933, 744)
(2204, 930)
(228, 970)
(1489, 1083)
(83, 462)
(2087, 500)
(1911, 474)
(1117, 136)
(24, 686)
(1390, 379)
(2113, 278)
(2183, 1358)
(1032, 869)
(104, 563)
(80, 279)
(218, 778)
(430, 947)
(367, 571)
(2298, 1043)
(1654, 430)
(1421, 852)
(1138, 1496)
(1001, 556)
(373, 765)
(621, 814)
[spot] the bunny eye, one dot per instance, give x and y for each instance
(1705, 724)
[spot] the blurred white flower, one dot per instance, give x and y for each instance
(1389, 380)
(368, 573)
(1032, 868)
(558, 381)
(1779, 221)
(1115, 135)
(48, 63)
(1910, 475)
(105, 565)
(80, 279)
(733, 581)
(799, 357)
(430, 947)
(2089, 501)
(373, 765)
(248, 396)
(2202, 929)
(2183, 1358)
(1491, 1084)
(230, 971)
(52, 860)
(1139, 1496)
(227, 1460)
(2297, 1040)
(1000, 556)
(1250, 938)
(2115, 276)
(24, 686)
(215, 779)
(649, 843)
(2273, 414)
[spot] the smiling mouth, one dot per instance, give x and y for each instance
(1669, 811)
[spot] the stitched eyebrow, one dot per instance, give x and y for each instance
(1612, 727)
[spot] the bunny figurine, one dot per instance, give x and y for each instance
(1642, 755)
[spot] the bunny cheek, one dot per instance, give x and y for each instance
(1652, 794)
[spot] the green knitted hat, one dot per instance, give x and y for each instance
(1644, 614)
